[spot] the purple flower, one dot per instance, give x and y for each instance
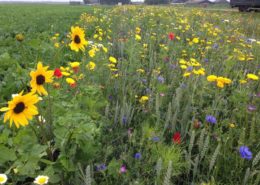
(245, 153)
(123, 169)
(172, 66)
(183, 85)
(189, 68)
(156, 139)
(124, 120)
(147, 90)
(138, 155)
(211, 119)
(101, 167)
(251, 108)
(160, 79)
(144, 80)
(206, 60)
(215, 46)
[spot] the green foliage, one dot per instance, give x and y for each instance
(86, 132)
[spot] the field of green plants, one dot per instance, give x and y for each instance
(129, 95)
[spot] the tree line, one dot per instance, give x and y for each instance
(111, 2)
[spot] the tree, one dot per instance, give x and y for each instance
(156, 1)
(114, 1)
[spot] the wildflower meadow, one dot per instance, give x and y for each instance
(129, 95)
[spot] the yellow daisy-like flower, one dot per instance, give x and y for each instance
(140, 70)
(252, 76)
(3, 178)
(242, 81)
(195, 40)
(71, 82)
(143, 99)
(91, 66)
(41, 179)
(77, 37)
(39, 78)
(74, 64)
(137, 37)
(19, 37)
(186, 74)
(212, 78)
(112, 60)
(92, 53)
(21, 109)
(105, 49)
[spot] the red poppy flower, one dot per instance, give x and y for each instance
(171, 36)
(57, 73)
(176, 138)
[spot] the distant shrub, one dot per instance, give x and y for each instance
(157, 1)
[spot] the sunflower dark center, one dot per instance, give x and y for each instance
(77, 39)
(19, 108)
(40, 79)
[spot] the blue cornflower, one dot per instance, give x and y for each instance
(124, 120)
(211, 119)
(101, 167)
(138, 155)
(245, 153)
(156, 139)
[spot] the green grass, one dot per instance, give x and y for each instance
(32, 19)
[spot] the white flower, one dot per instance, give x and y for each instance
(41, 119)
(41, 179)
(225, 20)
(3, 178)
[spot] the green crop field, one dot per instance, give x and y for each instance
(129, 95)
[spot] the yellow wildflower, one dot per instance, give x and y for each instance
(112, 60)
(252, 76)
(91, 66)
(143, 99)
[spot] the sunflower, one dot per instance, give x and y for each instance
(39, 78)
(21, 109)
(77, 37)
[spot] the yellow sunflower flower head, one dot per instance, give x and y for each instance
(39, 78)
(21, 109)
(77, 37)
